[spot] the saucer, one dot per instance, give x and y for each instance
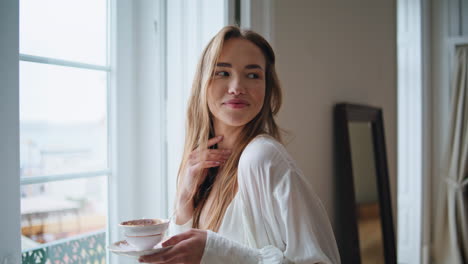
(123, 248)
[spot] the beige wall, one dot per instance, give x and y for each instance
(332, 51)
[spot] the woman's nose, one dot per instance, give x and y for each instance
(236, 87)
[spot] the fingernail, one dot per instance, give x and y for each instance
(220, 137)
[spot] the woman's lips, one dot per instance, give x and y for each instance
(236, 103)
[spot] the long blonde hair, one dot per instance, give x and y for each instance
(199, 127)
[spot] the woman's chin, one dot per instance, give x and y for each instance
(234, 122)
(238, 119)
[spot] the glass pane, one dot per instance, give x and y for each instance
(69, 30)
(62, 209)
(63, 119)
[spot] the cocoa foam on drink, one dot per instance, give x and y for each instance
(142, 222)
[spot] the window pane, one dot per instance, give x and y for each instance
(62, 209)
(63, 119)
(70, 30)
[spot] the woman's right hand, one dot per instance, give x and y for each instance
(198, 163)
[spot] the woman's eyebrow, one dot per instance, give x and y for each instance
(253, 66)
(224, 64)
(229, 65)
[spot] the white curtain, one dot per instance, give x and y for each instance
(451, 226)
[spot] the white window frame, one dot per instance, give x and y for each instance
(10, 243)
(138, 188)
(414, 133)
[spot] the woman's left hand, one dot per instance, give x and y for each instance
(188, 247)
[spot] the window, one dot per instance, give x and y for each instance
(64, 129)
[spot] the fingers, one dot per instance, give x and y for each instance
(214, 140)
(218, 151)
(220, 155)
(163, 257)
(217, 156)
(206, 165)
(199, 152)
(171, 254)
(176, 239)
(188, 247)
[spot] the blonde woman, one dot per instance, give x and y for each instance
(241, 198)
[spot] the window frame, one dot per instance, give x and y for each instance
(139, 156)
(10, 251)
(105, 171)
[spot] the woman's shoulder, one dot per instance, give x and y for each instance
(265, 163)
(265, 150)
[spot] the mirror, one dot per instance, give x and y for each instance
(365, 189)
(365, 224)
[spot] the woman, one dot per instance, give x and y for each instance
(241, 197)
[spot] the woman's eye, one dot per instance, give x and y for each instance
(252, 76)
(222, 73)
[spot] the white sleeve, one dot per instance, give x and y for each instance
(219, 249)
(303, 222)
(285, 219)
(175, 229)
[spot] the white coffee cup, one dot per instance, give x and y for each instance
(144, 242)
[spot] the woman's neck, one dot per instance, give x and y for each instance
(229, 133)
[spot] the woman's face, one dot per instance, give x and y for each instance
(237, 90)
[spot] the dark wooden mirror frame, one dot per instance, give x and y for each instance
(346, 225)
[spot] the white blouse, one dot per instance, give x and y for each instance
(275, 216)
